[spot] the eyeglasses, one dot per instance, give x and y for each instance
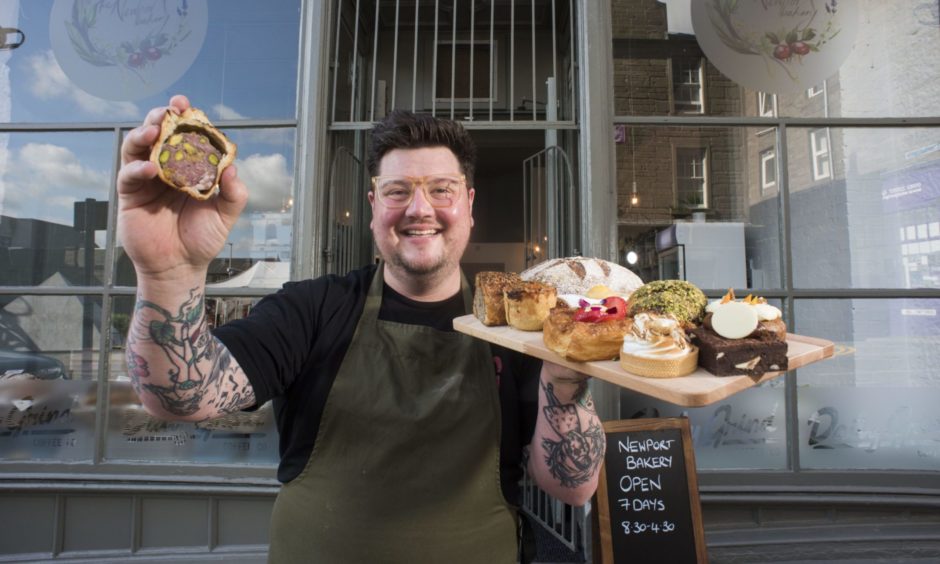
(441, 190)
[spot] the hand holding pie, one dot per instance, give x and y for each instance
(191, 153)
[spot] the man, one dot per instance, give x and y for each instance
(400, 439)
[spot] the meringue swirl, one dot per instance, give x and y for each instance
(656, 337)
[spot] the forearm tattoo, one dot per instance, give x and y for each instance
(574, 459)
(201, 371)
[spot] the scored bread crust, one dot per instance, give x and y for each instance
(577, 275)
(581, 341)
(488, 303)
(192, 119)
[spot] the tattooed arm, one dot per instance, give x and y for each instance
(568, 445)
(178, 368)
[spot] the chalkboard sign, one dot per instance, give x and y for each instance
(648, 508)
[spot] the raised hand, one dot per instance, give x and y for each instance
(167, 234)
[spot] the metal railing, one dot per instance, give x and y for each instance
(479, 61)
(570, 525)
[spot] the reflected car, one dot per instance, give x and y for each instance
(30, 365)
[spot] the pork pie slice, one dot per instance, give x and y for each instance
(191, 153)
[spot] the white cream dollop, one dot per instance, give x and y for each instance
(767, 312)
(654, 336)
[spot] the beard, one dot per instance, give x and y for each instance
(420, 268)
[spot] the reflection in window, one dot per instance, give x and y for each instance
(691, 181)
(768, 169)
(48, 376)
(920, 255)
(687, 85)
(816, 90)
(233, 58)
(873, 405)
(766, 104)
(819, 149)
(53, 208)
(243, 438)
(264, 231)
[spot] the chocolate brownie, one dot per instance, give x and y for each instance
(733, 357)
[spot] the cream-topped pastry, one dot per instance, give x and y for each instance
(657, 347)
(730, 318)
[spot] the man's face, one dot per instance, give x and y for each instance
(421, 239)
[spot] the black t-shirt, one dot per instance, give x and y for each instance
(292, 343)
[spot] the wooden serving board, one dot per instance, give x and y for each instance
(695, 390)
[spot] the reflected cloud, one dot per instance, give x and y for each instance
(268, 180)
(225, 112)
(49, 82)
(43, 181)
(276, 137)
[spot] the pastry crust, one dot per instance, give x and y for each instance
(660, 367)
(192, 120)
(582, 341)
(488, 303)
(527, 304)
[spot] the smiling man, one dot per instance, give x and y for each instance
(392, 426)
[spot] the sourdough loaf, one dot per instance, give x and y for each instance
(577, 275)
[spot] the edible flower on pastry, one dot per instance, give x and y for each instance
(607, 310)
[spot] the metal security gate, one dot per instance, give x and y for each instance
(550, 203)
(570, 525)
(478, 61)
(345, 211)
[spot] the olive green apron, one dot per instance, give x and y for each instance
(405, 467)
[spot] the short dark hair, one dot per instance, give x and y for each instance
(406, 130)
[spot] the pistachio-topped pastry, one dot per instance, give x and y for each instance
(191, 153)
(678, 298)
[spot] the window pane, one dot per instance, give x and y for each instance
(745, 431)
(883, 184)
(54, 207)
(873, 405)
(874, 80)
(114, 61)
(735, 242)
(258, 250)
(48, 376)
(242, 438)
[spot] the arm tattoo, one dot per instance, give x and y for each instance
(202, 371)
(574, 459)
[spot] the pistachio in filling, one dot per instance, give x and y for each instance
(189, 159)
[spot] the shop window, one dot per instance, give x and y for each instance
(460, 52)
(819, 149)
(768, 169)
(687, 85)
(691, 178)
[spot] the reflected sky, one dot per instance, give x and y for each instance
(235, 59)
